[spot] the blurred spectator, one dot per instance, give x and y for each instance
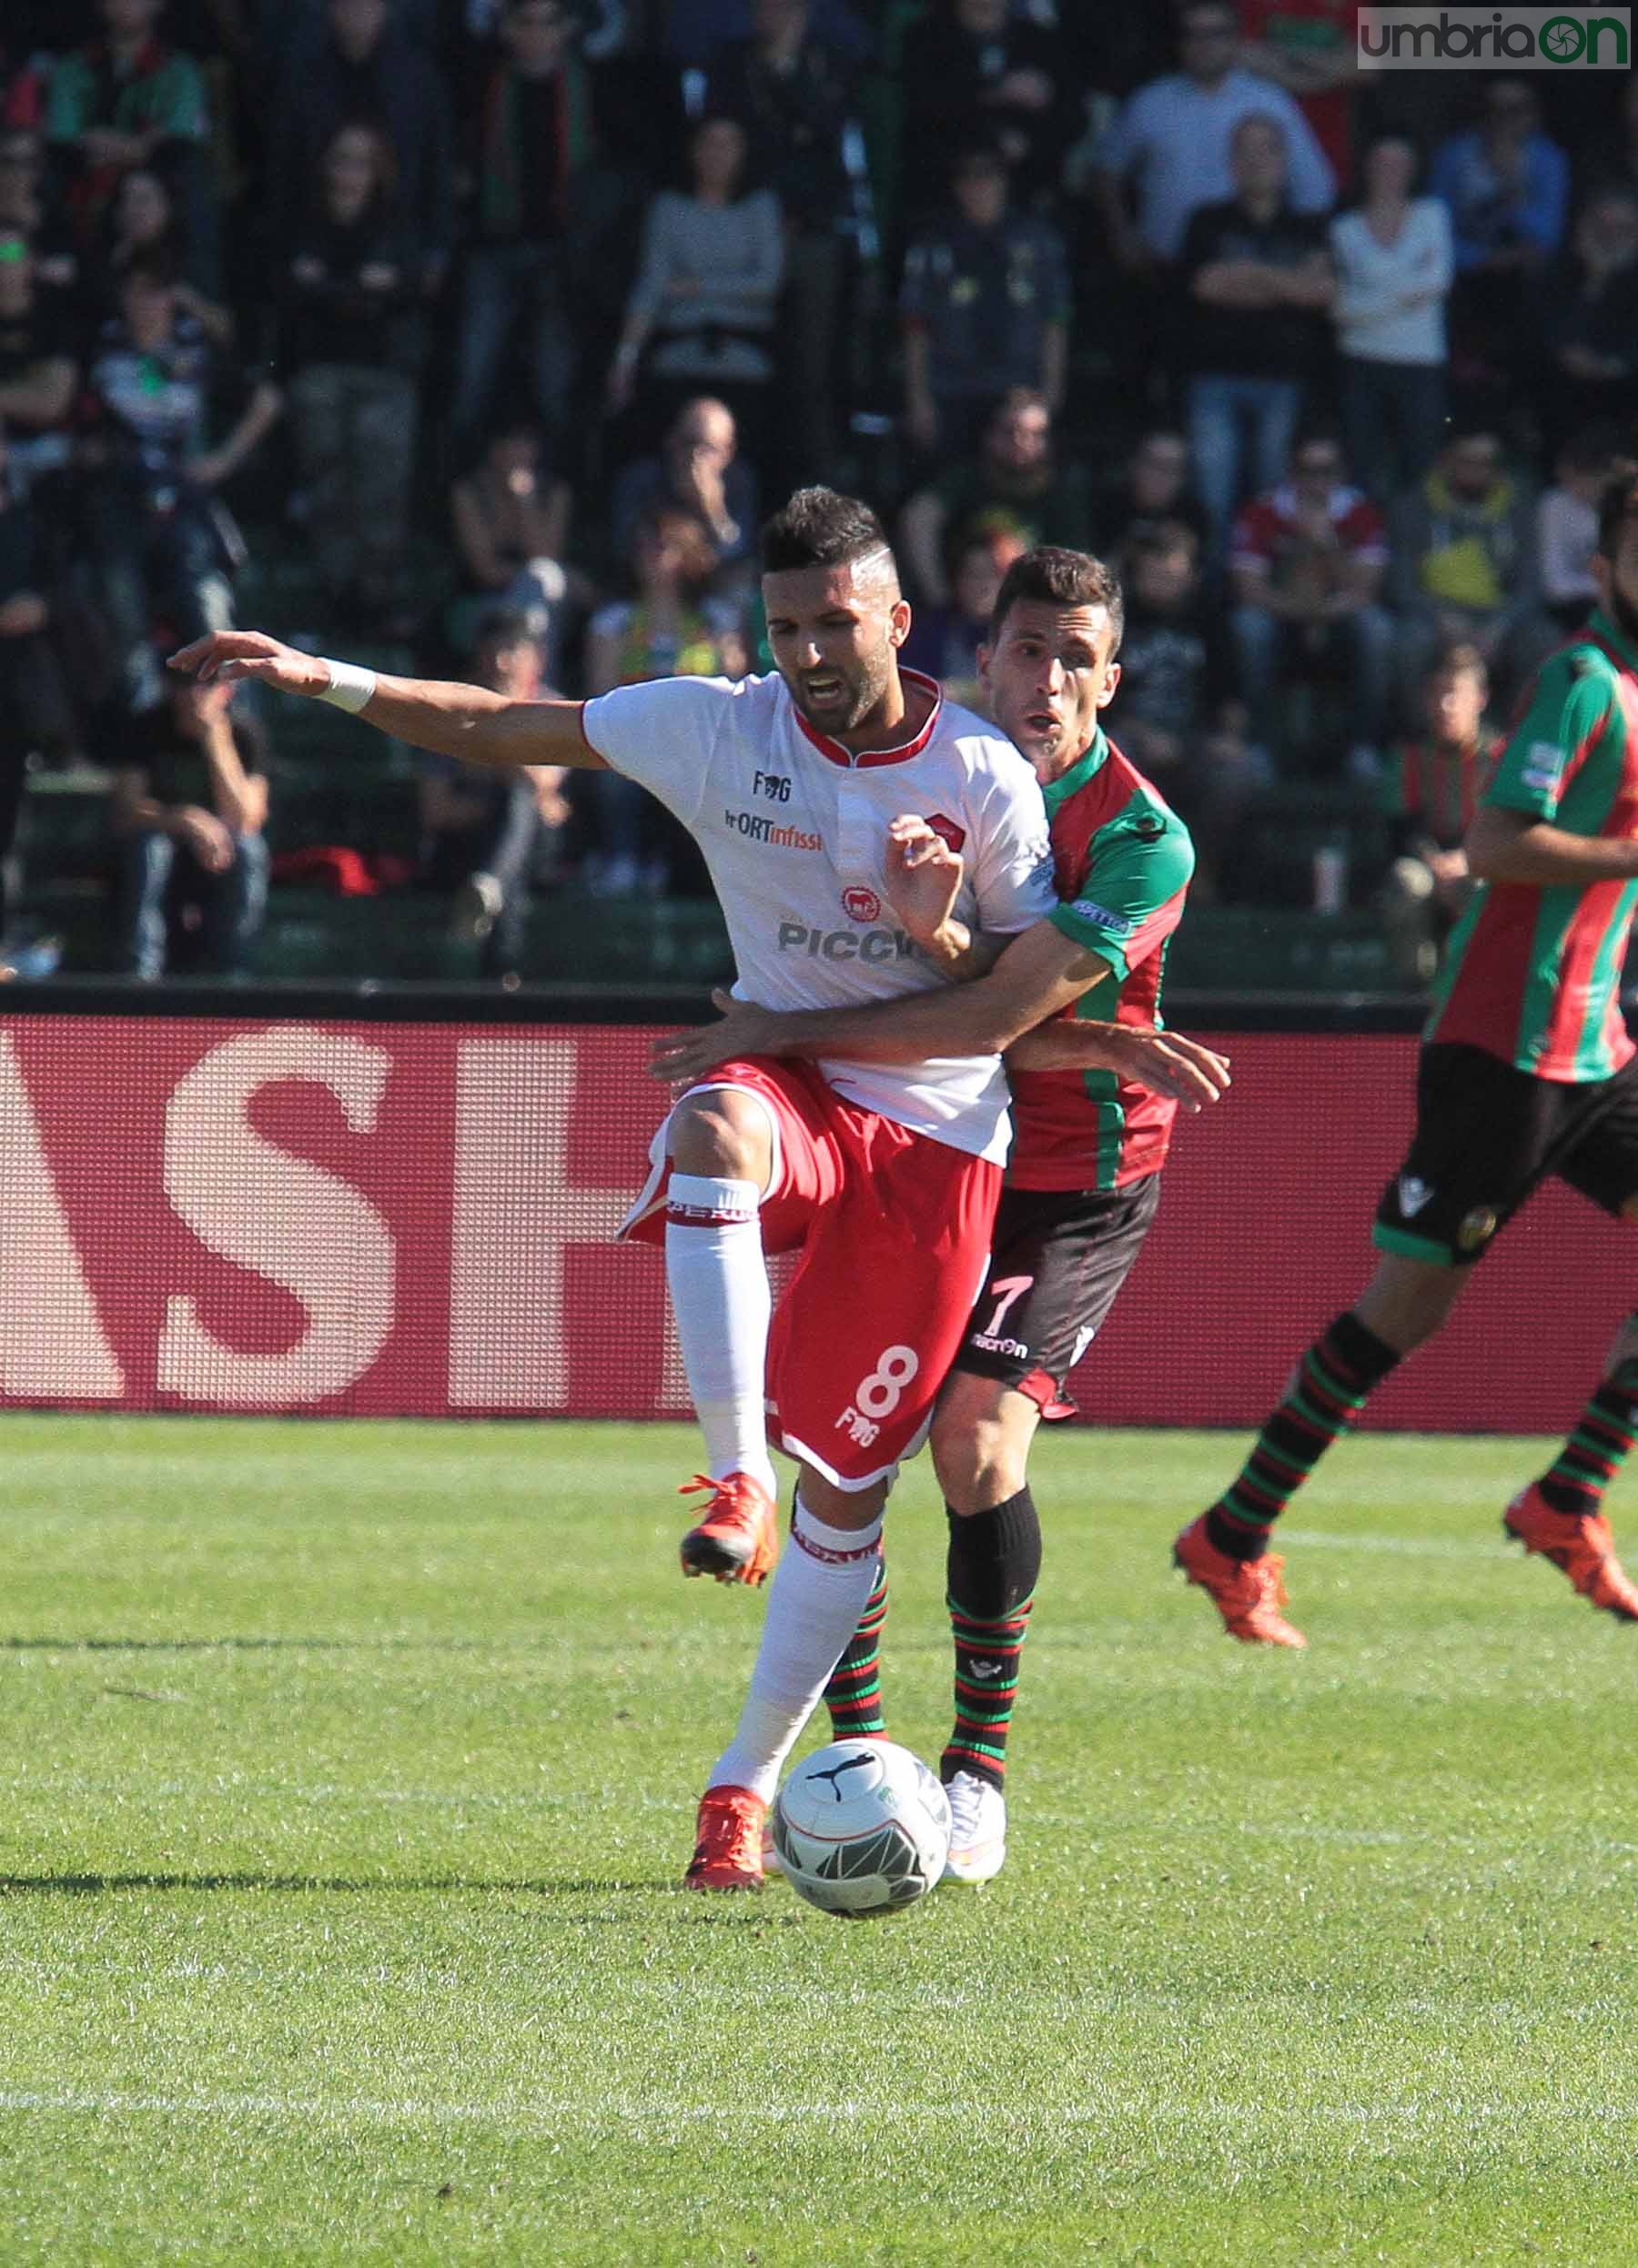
(159, 538)
(1307, 47)
(351, 348)
(25, 71)
(692, 31)
(129, 99)
(1463, 549)
(1015, 485)
(977, 70)
(669, 626)
(1172, 142)
(1152, 490)
(1306, 570)
(35, 714)
(1588, 312)
(509, 514)
(795, 94)
(190, 804)
(699, 469)
(1430, 793)
(38, 372)
(483, 832)
(702, 307)
(1567, 524)
(1177, 714)
(1507, 188)
(142, 224)
(986, 306)
(1257, 282)
(364, 68)
(29, 208)
(535, 135)
(944, 641)
(1393, 259)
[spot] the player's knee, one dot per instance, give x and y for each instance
(723, 1135)
(980, 1442)
(841, 1508)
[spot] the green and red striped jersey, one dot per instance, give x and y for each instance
(1122, 862)
(1533, 970)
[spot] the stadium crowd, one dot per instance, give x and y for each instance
(498, 324)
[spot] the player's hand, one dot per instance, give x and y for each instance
(923, 877)
(1185, 1071)
(225, 655)
(742, 1030)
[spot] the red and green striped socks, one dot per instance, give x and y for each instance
(1594, 1453)
(1332, 1382)
(995, 1563)
(854, 1696)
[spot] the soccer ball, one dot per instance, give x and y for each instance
(862, 1828)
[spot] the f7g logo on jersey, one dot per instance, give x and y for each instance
(877, 1397)
(775, 786)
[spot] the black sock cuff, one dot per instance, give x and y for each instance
(1368, 1356)
(994, 1558)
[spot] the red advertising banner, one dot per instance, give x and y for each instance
(339, 1217)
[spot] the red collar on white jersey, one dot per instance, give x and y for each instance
(837, 754)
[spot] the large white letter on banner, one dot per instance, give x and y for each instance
(279, 1216)
(53, 1347)
(514, 1218)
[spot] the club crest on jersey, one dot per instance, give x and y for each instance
(947, 830)
(860, 905)
(1412, 1195)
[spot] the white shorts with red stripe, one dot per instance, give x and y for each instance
(893, 1230)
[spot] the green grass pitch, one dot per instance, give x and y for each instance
(350, 1771)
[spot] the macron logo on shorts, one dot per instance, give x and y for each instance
(1412, 1195)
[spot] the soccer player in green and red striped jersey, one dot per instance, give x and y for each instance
(1526, 1070)
(1095, 1093)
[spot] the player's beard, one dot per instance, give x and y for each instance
(867, 687)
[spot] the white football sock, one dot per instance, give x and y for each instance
(722, 1300)
(814, 1601)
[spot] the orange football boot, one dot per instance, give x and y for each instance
(1247, 1593)
(738, 1538)
(1579, 1544)
(728, 1841)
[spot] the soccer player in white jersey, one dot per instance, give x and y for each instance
(885, 1176)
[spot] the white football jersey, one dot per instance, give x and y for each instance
(793, 828)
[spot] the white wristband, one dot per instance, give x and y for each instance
(350, 688)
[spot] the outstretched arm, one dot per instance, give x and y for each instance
(1166, 1062)
(465, 720)
(1040, 973)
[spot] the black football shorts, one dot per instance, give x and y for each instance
(1487, 1135)
(1058, 1258)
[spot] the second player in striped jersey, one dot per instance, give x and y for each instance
(1526, 1070)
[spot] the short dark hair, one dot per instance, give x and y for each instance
(509, 626)
(1616, 506)
(1460, 660)
(820, 528)
(1060, 578)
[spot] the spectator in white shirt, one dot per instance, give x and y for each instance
(1394, 265)
(1172, 141)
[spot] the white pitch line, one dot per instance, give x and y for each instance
(549, 2115)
